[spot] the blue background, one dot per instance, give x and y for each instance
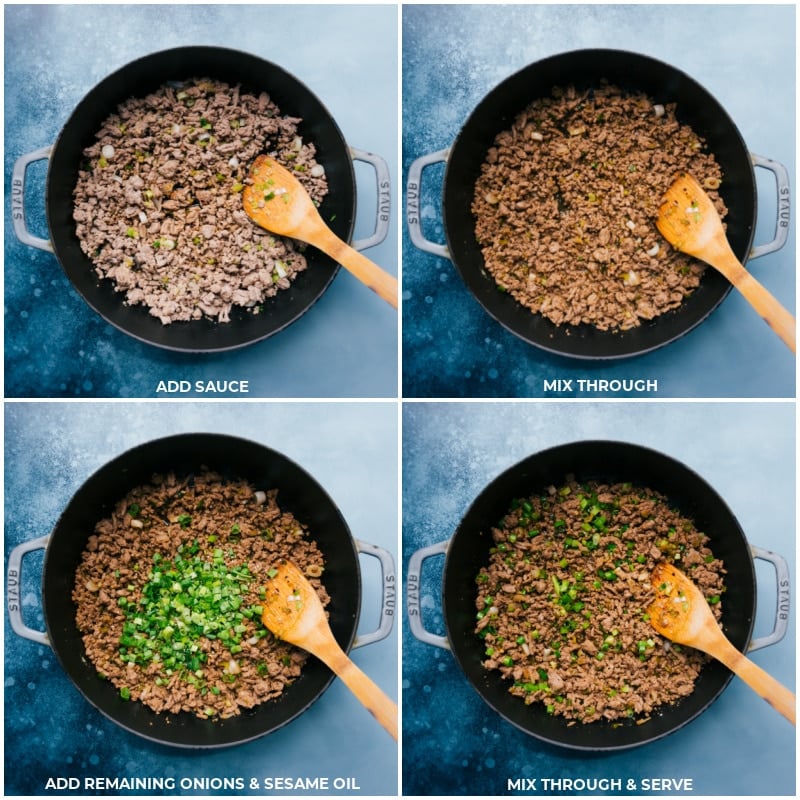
(56, 346)
(453, 743)
(50, 730)
(454, 55)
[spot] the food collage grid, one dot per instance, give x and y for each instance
(414, 299)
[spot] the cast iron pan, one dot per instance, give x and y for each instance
(584, 68)
(469, 551)
(298, 492)
(136, 80)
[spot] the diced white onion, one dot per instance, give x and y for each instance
(630, 278)
(108, 151)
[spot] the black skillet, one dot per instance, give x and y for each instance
(468, 550)
(496, 112)
(136, 80)
(185, 454)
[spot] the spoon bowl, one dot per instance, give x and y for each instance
(682, 614)
(276, 200)
(688, 220)
(293, 612)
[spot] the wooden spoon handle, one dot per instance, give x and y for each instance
(368, 272)
(773, 313)
(372, 697)
(761, 682)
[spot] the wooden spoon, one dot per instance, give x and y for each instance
(277, 201)
(681, 613)
(294, 613)
(688, 220)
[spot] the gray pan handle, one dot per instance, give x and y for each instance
(418, 629)
(413, 588)
(380, 166)
(414, 221)
(18, 199)
(783, 602)
(784, 205)
(388, 595)
(384, 209)
(413, 191)
(14, 580)
(13, 584)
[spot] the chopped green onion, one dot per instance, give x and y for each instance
(186, 599)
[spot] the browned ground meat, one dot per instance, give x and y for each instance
(562, 605)
(566, 204)
(168, 595)
(158, 204)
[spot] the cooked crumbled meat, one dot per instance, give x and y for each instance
(158, 204)
(562, 604)
(168, 593)
(566, 203)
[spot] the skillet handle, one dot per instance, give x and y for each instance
(783, 601)
(413, 584)
(413, 192)
(383, 185)
(388, 595)
(784, 203)
(18, 199)
(13, 584)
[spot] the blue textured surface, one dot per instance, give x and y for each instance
(51, 731)
(56, 346)
(453, 743)
(454, 55)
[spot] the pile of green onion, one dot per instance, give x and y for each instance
(187, 599)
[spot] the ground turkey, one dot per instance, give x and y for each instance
(562, 603)
(168, 592)
(566, 203)
(158, 203)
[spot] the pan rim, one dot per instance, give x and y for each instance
(488, 686)
(147, 724)
(584, 342)
(181, 337)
